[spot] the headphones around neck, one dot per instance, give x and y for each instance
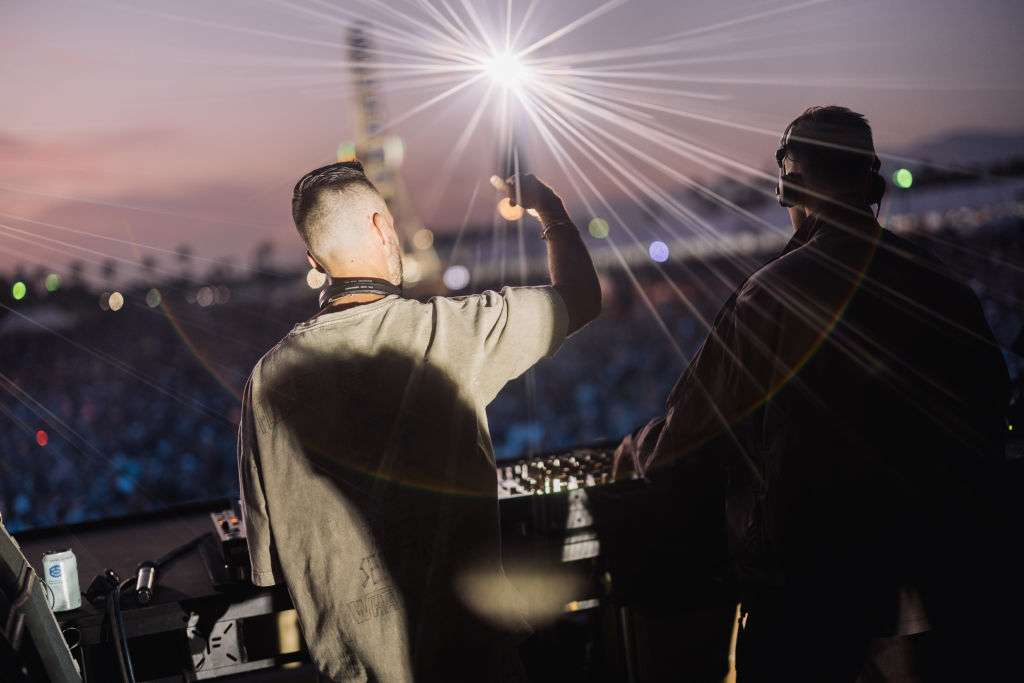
(789, 190)
(343, 287)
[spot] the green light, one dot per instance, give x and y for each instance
(19, 290)
(52, 282)
(347, 151)
(598, 228)
(903, 178)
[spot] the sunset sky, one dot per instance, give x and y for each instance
(156, 125)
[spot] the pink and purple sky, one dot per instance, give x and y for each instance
(187, 123)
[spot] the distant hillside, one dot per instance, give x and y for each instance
(965, 148)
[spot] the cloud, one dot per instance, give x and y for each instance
(91, 161)
(221, 224)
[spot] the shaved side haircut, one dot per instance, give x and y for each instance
(315, 200)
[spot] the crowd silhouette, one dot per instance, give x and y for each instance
(135, 410)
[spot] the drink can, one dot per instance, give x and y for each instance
(60, 573)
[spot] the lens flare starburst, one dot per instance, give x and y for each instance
(634, 110)
(507, 70)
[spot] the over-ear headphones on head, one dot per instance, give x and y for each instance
(789, 190)
(877, 189)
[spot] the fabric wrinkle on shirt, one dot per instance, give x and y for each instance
(369, 480)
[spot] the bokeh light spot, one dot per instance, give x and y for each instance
(423, 239)
(42, 438)
(456, 277)
(509, 212)
(347, 151)
(543, 590)
(412, 270)
(153, 298)
(315, 279)
(205, 296)
(658, 251)
(53, 282)
(19, 290)
(116, 301)
(394, 151)
(598, 227)
(105, 301)
(903, 178)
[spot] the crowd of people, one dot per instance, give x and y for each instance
(138, 409)
(616, 373)
(128, 411)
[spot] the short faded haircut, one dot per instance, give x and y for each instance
(832, 142)
(310, 191)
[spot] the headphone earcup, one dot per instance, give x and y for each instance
(877, 189)
(788, 190)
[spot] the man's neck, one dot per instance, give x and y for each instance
(843, 209)
(350, 290)
(352, 300)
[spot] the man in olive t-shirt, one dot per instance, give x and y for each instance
(365, 459)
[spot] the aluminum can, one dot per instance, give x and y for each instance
(60, 574)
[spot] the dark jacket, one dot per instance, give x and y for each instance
(849, 404)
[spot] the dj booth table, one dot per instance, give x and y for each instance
(190, 630)
(193, 631)
(199, 627)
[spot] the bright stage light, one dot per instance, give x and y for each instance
(205, 297)
(456, 277)
(315, 279)
(658, 251)
(598, 227)
(423, 239)
(412, 269)
(507, 70)
(347, 151)
(903, 178)
(509, 212)
(116, 301)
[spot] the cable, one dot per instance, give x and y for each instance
(116, 618)
(181, 550)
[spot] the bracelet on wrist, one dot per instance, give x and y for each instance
(565, 222)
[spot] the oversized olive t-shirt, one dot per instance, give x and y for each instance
(369, 485)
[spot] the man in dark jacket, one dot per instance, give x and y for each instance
(848, 402)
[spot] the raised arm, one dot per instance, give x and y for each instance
(572, 270)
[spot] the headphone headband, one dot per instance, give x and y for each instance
(787, 190)
(852, 148)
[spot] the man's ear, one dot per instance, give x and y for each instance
(313, 263)
(379, 225)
